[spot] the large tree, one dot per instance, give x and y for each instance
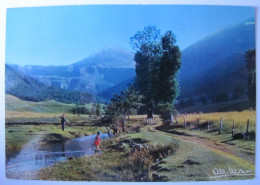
(169, 66)
(251, 66)
(157, 63)
(146, 43)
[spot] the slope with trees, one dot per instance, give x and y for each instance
(251, 67)
(216, 63)
(28, 88)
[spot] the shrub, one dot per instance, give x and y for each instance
(138, 165)
(162, 151)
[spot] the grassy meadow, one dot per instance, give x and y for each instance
(144, 152)
(240, 119)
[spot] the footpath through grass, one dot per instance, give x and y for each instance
(117, 162)
(211, 133)
(194, 162)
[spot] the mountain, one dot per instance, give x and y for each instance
(108, 94)
(94, 74)
(211, 66)
(26, 87)
(111, 57)
(216, 64)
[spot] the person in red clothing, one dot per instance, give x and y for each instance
(97, 142)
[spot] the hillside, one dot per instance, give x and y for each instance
(13, 103)
(28, 88)
(216, 64)
(94, 74)
(108, 94)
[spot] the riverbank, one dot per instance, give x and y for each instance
(18, 135)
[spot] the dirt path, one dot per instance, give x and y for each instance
(223, 147)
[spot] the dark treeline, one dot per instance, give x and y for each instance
(251, 66)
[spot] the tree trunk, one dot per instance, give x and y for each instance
(150, 112)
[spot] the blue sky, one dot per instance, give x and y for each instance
(63, 35)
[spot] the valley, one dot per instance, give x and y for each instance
(162, 114)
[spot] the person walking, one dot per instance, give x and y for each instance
(63, 120)
(97, 142)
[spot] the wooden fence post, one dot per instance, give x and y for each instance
(176, 120)
(198, 122)
(220, 125)
(233, 128)
(184, 121)
(247, 125)
(208, 126)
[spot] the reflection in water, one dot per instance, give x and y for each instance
(33, 156)
(63, 149)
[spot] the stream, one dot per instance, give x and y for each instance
(34, 156)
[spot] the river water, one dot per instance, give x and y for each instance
(34, 156)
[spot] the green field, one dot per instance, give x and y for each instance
(167, 153)
(14, 104)
(49, 111)
(49, 106)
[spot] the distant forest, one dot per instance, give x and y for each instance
(28, 88)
